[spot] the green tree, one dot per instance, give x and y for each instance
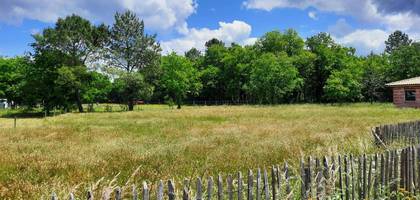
(130, 86)
(345, 85)
(396, 40)
(329, 57)
(131, 50)
(276, 41)
(98, 88)
(193, 54)
(374, 77)
(77, 39)
(39, 82)
(180, 78)
(404, 62)
(11, 77)
(273, 78)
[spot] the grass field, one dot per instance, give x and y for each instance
(73, 150)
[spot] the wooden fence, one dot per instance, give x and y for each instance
(408, 132)
(389, 174)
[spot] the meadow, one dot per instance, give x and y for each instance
(70, 151)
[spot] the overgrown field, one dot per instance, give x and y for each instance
(73, 150)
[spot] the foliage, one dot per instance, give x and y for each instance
(179, 78)
(405, 62)
(129, 48)
(273, 78)
(133, 51)
(11, 78)
(130, 87)
(396, 40)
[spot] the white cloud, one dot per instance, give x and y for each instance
(365, 11)
(340, 28)
(157, 14)
(236, 31)
(365, 40)
(312, 15)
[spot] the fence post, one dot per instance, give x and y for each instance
(14, 124)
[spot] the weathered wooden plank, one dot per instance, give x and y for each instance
(279, 184)
(273, 183)
(289, 194)
(326, 176)
(376, 177)
(250, 185)
(266, 186)
(240, 186)
(395, 173)
(220, 187)
(199, 189)
(118, 193)
(134, 192)
(54, 196)
(171, 190)
(340, 177)
(159, 195)
(230, 187)
(347, 178)
(145, 191)
(303, 180)
(353, 182)
(318, 180)
(369, 179)
(209, 188)
(71, 196)
(89, 195)
(258, 186)
(364, 173)
(309, 177)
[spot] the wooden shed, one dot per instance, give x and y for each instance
(406, 93)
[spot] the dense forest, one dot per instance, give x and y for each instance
(77, 62)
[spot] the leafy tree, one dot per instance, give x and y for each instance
(193, 54)
(39, 82)
(273, 78)
(396, 40)
(76, 38)
(276, 41)
(212, 67)
(345, 85)
(131, 86)
(374, 77)
(179, 78)
(214, 41)
(98, 88)
(11, 78)
(131, 50)
(329, 57)
(404, 62)
(305, 63)
(235, 71)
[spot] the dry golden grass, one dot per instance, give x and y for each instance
(72, 150)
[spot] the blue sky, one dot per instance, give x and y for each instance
(182, 24)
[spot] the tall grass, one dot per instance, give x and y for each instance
(75, 150)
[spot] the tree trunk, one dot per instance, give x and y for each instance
(79, 101)
(178, 102)
(130, 105)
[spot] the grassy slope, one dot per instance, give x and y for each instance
(69, 149)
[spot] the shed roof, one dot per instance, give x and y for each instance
(410, 81)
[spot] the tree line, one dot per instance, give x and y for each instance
(77, 62)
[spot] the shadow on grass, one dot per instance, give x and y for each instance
(22, 114)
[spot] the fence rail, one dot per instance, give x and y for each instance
(374, 176)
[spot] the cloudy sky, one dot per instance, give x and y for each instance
(182, 24)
